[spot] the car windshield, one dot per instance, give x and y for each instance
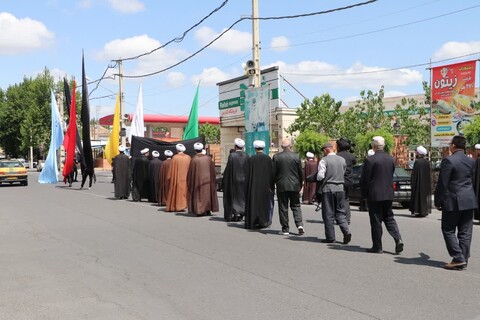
(401, 172)
(10, 164)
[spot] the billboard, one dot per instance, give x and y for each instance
(453, 94)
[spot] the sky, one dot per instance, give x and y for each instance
(340, 53)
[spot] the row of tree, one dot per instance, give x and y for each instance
(320, 120)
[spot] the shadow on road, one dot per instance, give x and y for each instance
(314, 221)
(423, 260)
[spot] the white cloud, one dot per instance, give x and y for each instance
(84, 3)
(175, 79)
(280, 43)
(130, 47)
(126, 6)
(358, 76)
(233, 41)
(454, 49)
(394, 93)
(211, 76)
(22, 35)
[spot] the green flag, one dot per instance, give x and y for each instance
(191, 130)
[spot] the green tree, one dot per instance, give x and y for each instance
(320, 115)
(413, 121)
(25, 115)
(364, 141)
(472, 132)
(310, 141)
(210, 132)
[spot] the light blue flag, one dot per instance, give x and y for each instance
(49, 172)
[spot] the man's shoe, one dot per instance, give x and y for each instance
(398, 246)
(374, 250)
(300, 230)
(347, 238)
(285, 232)
(327, 241)
(455, 265)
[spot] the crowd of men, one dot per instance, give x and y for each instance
(183, 183)
(179, 182)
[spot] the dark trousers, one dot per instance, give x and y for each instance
(283, 199)
(333, 209)
(346, 192)
(458, 245)
(381, 211)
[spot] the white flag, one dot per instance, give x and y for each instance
(137, 127)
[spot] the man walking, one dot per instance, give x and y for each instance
(177, 177)
(121, 171)
(421, 196)
(343, 148)
(377, 187)
(233, 183)
(454, 195)
(331, 173)
(288, 177)
(310, 188)
(259, 189)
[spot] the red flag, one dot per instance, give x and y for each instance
(69, 141)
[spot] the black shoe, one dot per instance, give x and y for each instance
(327, 241)
(455, 265)
(347, 238)
(398, 246)
(374, 250)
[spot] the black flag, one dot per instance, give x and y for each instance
(87, 159)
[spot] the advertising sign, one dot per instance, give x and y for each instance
(453, 94)
(257, 118)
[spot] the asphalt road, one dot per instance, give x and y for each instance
(67, 253)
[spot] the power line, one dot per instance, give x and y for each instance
(383, 29)
(378, 71)
(249, 18)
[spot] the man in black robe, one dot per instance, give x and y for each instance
(476, 181)
(421, 196)
(141, 184)
(260, 188)
(153, 173)
(233, 183)
(121, 171)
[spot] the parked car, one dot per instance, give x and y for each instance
(401, 186)
(13, 171)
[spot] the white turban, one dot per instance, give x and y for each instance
(477, 146)
(204, 151)
(239, 143)
(421, 150)
(168, 153)
(259, 144)
(121, 148)
(370, 152)
(310, 155)
(378, 140)
(155, 154)
(180, 147)
(144, 151)
(198, 146)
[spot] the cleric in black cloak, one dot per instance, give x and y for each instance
(476, 181)
(233, 183)
(259, 189)
(421, 196)
(121, 170)
(140, 176)
(153, 169)
(309, 188)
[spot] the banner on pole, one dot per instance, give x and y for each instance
(257, 118)
(453, 94)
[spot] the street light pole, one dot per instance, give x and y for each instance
(256, 44)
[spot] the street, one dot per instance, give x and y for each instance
(67, 253)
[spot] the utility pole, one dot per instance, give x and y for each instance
(120, 83)
(256, 44)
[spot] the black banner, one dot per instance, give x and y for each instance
(140, 143)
